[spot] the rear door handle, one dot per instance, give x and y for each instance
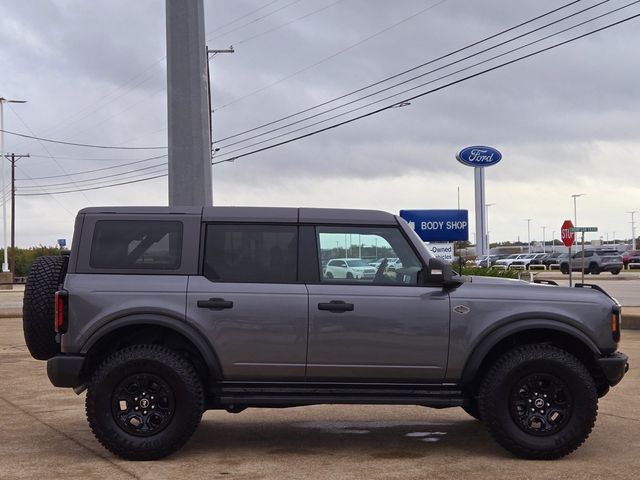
(215, 304)
(336, 306)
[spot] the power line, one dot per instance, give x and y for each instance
(409, 99)
(366, 87)
(392, 105)
(339, 52)
(282, 25)
(84, 172)
(417, 77)
(60, 142)
(92, 188)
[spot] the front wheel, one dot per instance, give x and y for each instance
(538, 402)
(144, 402)
(615, 272)
(564, 268)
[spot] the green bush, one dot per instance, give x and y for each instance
(26, 256)
(488, 272)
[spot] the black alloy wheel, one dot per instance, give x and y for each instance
(540, 404)
(143, 404)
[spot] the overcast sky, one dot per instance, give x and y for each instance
(566, 121)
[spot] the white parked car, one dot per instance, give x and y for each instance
(525, 262)
(355, 268)
(510, 259)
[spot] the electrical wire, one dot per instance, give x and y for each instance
(423, 75)
(339, 52)
(371, 85)
(442, 87)
(392, 105)
(87, 145)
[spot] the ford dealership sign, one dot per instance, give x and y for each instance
(479, 156)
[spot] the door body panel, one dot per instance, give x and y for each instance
(394, 334)
(263, 336)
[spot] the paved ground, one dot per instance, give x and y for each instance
(44, 435)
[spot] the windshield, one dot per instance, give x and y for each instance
(357, 263)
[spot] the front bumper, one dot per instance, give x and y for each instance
(614, 367)
(65, 370)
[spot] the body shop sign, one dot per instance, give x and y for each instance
(438, 225)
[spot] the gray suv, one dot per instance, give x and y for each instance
(162, 313)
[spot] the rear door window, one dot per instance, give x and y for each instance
(251, 253)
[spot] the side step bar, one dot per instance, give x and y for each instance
(288, 394)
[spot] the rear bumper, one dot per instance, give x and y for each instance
(65, 370)
(614, 367)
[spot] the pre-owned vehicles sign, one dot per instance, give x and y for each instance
(439, 225)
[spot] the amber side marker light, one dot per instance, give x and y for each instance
(615, 324)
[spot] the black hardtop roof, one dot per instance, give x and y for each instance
(260, 214)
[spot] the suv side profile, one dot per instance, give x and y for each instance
(161, 313)
(595, 262)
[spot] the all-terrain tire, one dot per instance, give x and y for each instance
(564, 382)
(38, 306)
(133, 375)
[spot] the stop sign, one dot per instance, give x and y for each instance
(568, 237)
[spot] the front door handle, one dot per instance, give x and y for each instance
(215, 304)
(336, 306)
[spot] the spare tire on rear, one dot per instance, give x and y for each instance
(38, 307)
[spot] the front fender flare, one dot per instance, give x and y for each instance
(492, 338)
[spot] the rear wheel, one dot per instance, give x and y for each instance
(43, 281)
(615, 272)
(144, 402)
(538, 402)
(564, 268)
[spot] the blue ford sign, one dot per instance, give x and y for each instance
(438, 225)
(479, 156)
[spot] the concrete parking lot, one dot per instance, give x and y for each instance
(45, 435)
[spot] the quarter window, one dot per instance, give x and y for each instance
(251, 253)
(136, 244)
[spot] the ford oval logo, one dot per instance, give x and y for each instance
(479, 156)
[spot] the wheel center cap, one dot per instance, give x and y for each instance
(144, 403)
(539, 403)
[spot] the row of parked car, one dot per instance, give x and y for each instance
(593, 261)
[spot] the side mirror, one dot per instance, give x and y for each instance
(438, 271)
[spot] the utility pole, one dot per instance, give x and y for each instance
(633, 229)
(528, 220)
(544, 240)
(3, 100)
(213, 52)
(13, 158)
(187, 105)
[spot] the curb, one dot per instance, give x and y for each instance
(11, 313)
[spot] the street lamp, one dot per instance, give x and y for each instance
(633, 230)
(544, 242)
(575, 215)
(486, 222)
(528, 220)
(553, 241)
(5, 264)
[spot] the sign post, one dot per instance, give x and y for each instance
(582, 230)
(479, 157)
(568, 237)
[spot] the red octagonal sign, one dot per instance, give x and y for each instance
(568, 237)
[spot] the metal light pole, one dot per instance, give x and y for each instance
(486, 222)
(553, 241)
(575, 215)
(5, 264)
(544, 242)
(528, 220)
(633, 229)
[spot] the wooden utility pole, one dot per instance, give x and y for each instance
(13, 158)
